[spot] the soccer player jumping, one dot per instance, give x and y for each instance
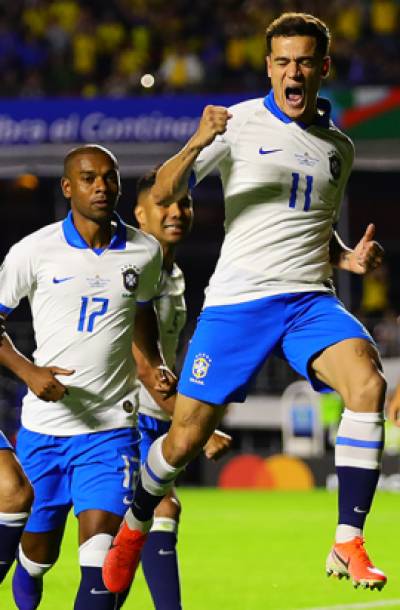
(284, 167)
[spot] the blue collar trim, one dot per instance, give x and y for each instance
(321, 120)
(75, 239)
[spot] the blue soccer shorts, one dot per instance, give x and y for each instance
(150, 429)
(4, 443)
(94, 471)
(231, 342)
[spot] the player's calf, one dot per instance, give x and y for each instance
(159, 557)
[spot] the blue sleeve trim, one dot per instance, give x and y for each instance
(143, 303)
(192, 179)
(6, 310)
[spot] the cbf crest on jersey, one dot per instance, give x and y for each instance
(335, 164)
(130, 277)
(201, 364)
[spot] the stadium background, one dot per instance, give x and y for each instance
(75, 71)
(135, 75)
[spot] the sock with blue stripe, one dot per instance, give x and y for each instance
(156, 478)
(358, 452)
(160, 565)
(11, 528)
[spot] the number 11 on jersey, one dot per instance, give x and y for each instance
(307, 193)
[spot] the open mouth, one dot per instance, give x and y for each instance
(294, 96)
(174, 227)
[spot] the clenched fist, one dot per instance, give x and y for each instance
(213, 122)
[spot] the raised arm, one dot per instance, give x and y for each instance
(172, 180)
(366, 256)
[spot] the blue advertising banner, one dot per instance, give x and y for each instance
(363, 112)
(59, 121)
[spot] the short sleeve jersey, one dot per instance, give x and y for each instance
(83, 304)
(171, 313)
(283, 184)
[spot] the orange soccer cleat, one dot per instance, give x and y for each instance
(123, 559)
(350, 560)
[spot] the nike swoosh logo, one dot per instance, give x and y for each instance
(357, 509)
(268, 152)
(162, 552)
(58, 280)
(94, 591)
(342, 561)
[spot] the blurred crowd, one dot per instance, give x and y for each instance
(104, 48)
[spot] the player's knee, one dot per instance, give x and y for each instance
(34, 568)
(169, 508)
(93, 552)
(368, 394)
(16, 493)
(24, 497)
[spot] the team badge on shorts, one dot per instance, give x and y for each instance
(130, 278)
(335, 164)
(200, 367)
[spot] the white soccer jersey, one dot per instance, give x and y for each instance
(283, 184)
(83, 304)
(171, 312)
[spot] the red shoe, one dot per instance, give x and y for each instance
(123, 559)
(350, 560)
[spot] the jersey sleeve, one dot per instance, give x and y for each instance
(149, 284)
(209, 158)
(16, 277)
(212, 156)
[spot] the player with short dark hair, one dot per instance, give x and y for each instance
(284, 168)
(169, 224)
(84, 278)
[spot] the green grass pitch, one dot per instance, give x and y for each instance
(253, 550)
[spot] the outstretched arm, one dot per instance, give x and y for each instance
(40, 379)
(172, 181)
(366, 256)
